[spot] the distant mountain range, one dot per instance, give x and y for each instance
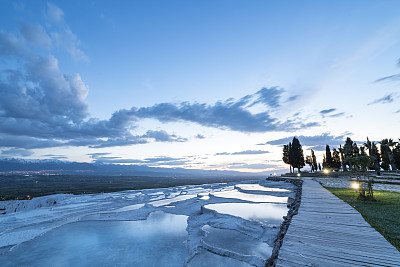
(11, 165)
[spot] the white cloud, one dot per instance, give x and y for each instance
(17, 152)
(54, 13)
(384, 100)
(11, 45)
(36, 35)
(62, 35)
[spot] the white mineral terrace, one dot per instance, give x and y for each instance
(233, 224)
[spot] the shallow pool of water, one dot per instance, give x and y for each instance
(235, 194)
(235, 241)
(257, 187)
(271, 213)
(157, 241)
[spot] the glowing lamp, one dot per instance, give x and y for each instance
(326, 171)
(355, 186)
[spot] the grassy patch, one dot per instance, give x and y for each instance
(382, 214)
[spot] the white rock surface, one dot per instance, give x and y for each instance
(129, 227)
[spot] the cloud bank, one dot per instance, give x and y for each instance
(254, 166)
(317, 142)
(246, 152)
(153, 161)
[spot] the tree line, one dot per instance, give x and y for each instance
(349, 157)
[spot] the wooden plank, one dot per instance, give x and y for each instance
(355, 254)
(343, 222)
(319, 259)
(316, 260)
(376, 250)
(311, 240)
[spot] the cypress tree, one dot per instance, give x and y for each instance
(374, 154)
(391, 145)
(314, 160)
(336, 159)
(349, 152)
(297, 154)
(285, 156)
(342, 158)
(363, 160)
(385, 154)
(328, 157)
(396, 155)
(377, 158)
(309, 161)
(291, 155)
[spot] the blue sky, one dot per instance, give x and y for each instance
(195, 84)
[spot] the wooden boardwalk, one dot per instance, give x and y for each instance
(329, 232)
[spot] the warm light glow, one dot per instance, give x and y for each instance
(355, 185)
(298, 174)
(326, 171)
